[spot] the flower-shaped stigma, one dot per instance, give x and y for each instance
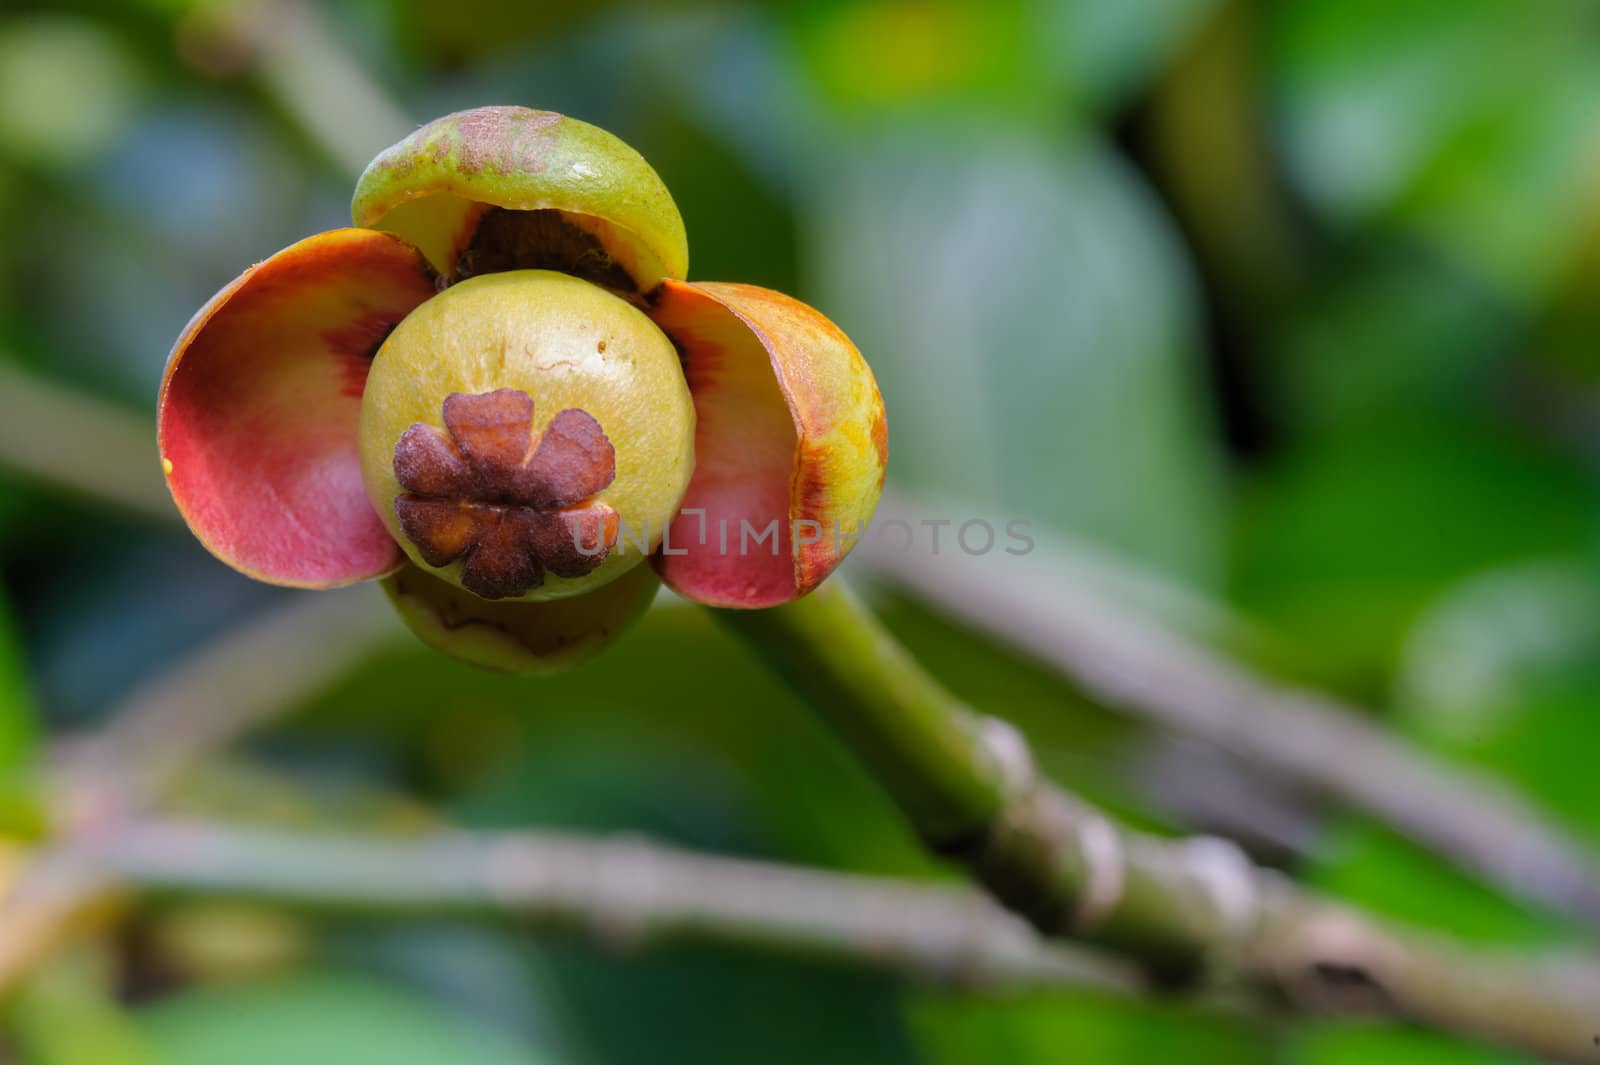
(499, 394)
(509, 505)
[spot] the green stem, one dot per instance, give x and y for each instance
(919, 742)
(967, 783)
(969, 787)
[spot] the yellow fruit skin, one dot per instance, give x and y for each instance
(566, 343)
(517, 637)
(432, 187)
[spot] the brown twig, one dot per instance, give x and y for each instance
(623, 892)
(90, 447)
(969, 786)
(1041, 606)
(204, 704)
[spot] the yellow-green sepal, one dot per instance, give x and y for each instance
(434, 187)
(510, 636)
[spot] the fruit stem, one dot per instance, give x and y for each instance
(1185, 908)
(920, 741)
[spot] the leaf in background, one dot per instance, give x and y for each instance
(477, 968)
(121, 604)
(1114, 49)
(1031, 322)
(1467, 122)
(22, 806)
(67, 1013)
(18, 724)
(1033, 57)
(678, 692)
(697, 1006)
(1388, 334)
(682, 1003)
(451, 35)
(739, 230)
(1332, 1043)
(1499, 672)
(677, 730)
(1341, 544)
(1474, 658)
(1374, 867)
(320, 1019)
(946, 54)
(1048, 1029)
(677, 733)
(67, 87)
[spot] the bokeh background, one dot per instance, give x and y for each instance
(1285, 309)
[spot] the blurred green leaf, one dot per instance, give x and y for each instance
(1038, 58)
(22, 803)
(739, 229)
(1387, 335)
(1334, 1043)
(320, 1019)
(67, 1013)
(1114, 48)
(18, 725)
(684, 1004)
(1481, 653)
(946, 54)
(1029, 317)
(688, 1006)
(1375, 868)
(67, 88)
(679, 731)
(1500, 672)
(1069, 1027)
(1469, 123)
(1342, 543)
(677, 700)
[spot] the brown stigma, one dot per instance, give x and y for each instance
(510, 505)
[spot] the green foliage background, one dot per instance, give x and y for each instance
(1291, 305)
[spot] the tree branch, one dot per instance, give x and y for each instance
(1048, 611)
(627, 893)
(969, 786)
(224, 690)
(204, 704)
(91, 447)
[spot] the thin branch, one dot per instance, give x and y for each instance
(626, 893)
(226, 689)
(969, 786)
(1041, 606)
(206, 703)
(1471, 818)
(59, 897)
(303, 64)
(90, 447)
